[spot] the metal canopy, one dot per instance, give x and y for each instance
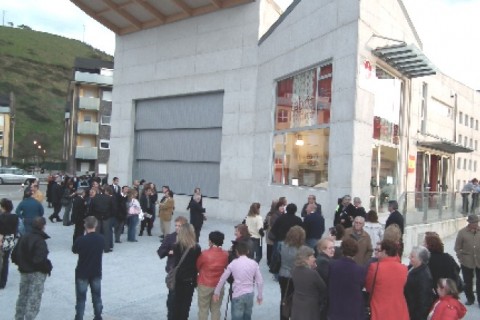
(445, 146)
(407, 59)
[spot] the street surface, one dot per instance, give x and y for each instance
(133, 285)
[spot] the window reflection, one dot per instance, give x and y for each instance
(302, 165)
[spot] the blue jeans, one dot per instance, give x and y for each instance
(257, 249)
(81, 286)
(242, 307)
(132, 221)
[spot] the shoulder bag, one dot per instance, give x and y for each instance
(172, 274)
(368, 309)
(9, 242)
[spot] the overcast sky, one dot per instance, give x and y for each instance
(449, 29)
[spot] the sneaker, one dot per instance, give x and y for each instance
(469, 303)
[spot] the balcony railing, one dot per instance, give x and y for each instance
(89, 153)
(85, 103)
(93, 78)
(428, 207)
(87, 128)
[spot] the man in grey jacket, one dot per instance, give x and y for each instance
(467, 248)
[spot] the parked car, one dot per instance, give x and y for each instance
(15, 175)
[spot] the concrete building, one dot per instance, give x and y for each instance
(249, 103)
(87, 117)
(7, 128)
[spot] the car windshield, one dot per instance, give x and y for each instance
(19, 171)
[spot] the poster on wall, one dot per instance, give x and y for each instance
(303, 99)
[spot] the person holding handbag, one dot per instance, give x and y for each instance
(186, 274)
(385, 282)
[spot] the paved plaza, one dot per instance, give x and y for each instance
(133, 284)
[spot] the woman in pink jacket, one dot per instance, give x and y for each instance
(447, 307)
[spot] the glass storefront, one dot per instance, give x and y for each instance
(388, 102)
(301, 138)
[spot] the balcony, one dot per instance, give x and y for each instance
(93, 78)
(85, 103)
(87, 153)
(88, 127)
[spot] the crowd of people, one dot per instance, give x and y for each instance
(355, 263)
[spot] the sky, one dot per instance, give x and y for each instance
(449, 29)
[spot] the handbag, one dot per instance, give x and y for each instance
(172, 274)
(276, 263)
(286, 306)
(368, 310)
(9, 242)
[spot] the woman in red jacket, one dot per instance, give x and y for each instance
(385, 282)
(447, 307)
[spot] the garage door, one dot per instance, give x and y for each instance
(178, 140)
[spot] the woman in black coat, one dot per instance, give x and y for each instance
(8, 226)
(186, 276)
(441, 264)
(419, 287)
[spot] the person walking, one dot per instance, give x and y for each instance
(197, 214)
(31, 257)
(89, 269)
(467, 248)
(165, 214)
(29, 209)
(56, 197)
(79, 213)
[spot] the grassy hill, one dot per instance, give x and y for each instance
(37, 67)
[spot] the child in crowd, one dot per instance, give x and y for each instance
(246, 273)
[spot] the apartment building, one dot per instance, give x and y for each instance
(87, 117)
(7, 128)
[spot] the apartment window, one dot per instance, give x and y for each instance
(87, 118)
(476, 145)
(105, 120)
(460, 117)
(466, 120)
(476, 124)
(282, 115)
(302, 120)
(460, 139)
(459, 163)
(464, 164)
(1, 135)
(107, 95)
(465, 141)
(104, 144)
(471, 122)
(471, 143)
(470, 164)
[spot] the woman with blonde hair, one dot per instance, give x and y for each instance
(254, 223)
(186, 276)
(394, 233)
(294, 239)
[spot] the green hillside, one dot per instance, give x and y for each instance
(37, 67)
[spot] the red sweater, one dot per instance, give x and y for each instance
(448, 308)
(210, 265)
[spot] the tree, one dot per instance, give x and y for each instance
(24, 26)
(10, 24)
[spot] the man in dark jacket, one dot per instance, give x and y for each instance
(30, 255)
(395, 216)
(311, 200)
(121, 213)
(56, 196)
(285, 222)
(102, 207)
(314, 225)
(166, 250)
(89, 269)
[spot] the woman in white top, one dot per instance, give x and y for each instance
(373, 228)
(254, 222)
(134, 210)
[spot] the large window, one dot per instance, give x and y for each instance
(301, 138)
